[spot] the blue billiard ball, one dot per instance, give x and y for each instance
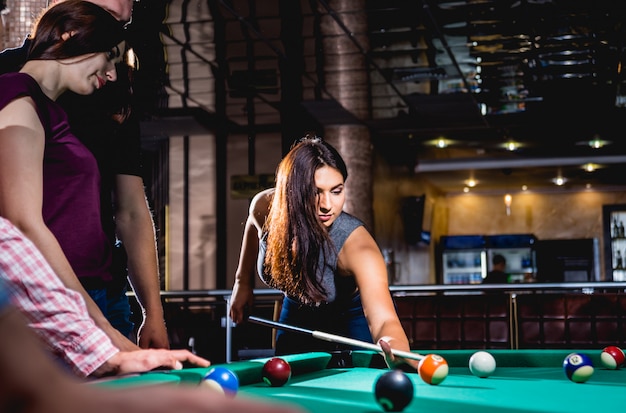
(223, 380)
(578, 367)
(393, 390)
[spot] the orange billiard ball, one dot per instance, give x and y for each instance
(433, 369)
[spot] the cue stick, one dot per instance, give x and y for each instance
(335, 338)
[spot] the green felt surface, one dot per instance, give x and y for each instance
(152, 378)
(524, 381)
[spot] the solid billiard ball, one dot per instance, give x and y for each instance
(433, 369)
(578, 367)
(276, 372)
(612, 357)
(393, 390)
(222, 380)
(482, 364)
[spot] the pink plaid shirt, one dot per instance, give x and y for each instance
(58, 314)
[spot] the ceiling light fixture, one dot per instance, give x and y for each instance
(511, 145)
(596, 142)
(590, 167)
(559, 180)
(440, 142)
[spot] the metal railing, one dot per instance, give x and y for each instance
(223, 297)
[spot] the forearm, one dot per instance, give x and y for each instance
(65, 327)
(246, 268)
(48, 246)
(26, 373)
(396, 337)
(56, 313)
(136, 230)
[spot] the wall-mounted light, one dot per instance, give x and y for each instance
(508, 199)
(483, 109)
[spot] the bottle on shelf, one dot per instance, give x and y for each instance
(618, 258)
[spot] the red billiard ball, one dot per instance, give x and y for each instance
(578, 367)
(276, 372)
(222, 380)
(612, 357)
(393, 390)
(433, 369)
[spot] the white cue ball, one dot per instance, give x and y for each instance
(482, 364)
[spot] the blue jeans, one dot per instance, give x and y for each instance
(344, 317)
(116, 308)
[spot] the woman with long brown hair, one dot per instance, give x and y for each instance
(332, 273)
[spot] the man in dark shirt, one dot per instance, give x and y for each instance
(497, 274)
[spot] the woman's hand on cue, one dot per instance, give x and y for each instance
(394, 361)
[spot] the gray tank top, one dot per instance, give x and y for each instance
(337, 287)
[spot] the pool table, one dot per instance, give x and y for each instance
(524, 381)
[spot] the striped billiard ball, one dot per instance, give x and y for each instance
(612, 357)
(578, 367)
(433, 369)
(222, 380)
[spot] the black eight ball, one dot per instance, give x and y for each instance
(393, 390)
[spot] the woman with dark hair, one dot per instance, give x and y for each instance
(49, 181)
(332, 273)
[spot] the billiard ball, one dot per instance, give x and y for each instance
(578, 367)
(276, 372)
(482, 364)
(222, 380)
(393, 390)
(612, 357)
(433, 369)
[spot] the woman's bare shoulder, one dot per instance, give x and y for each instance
(260, 205)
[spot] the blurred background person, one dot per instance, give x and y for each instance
(497, 275)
